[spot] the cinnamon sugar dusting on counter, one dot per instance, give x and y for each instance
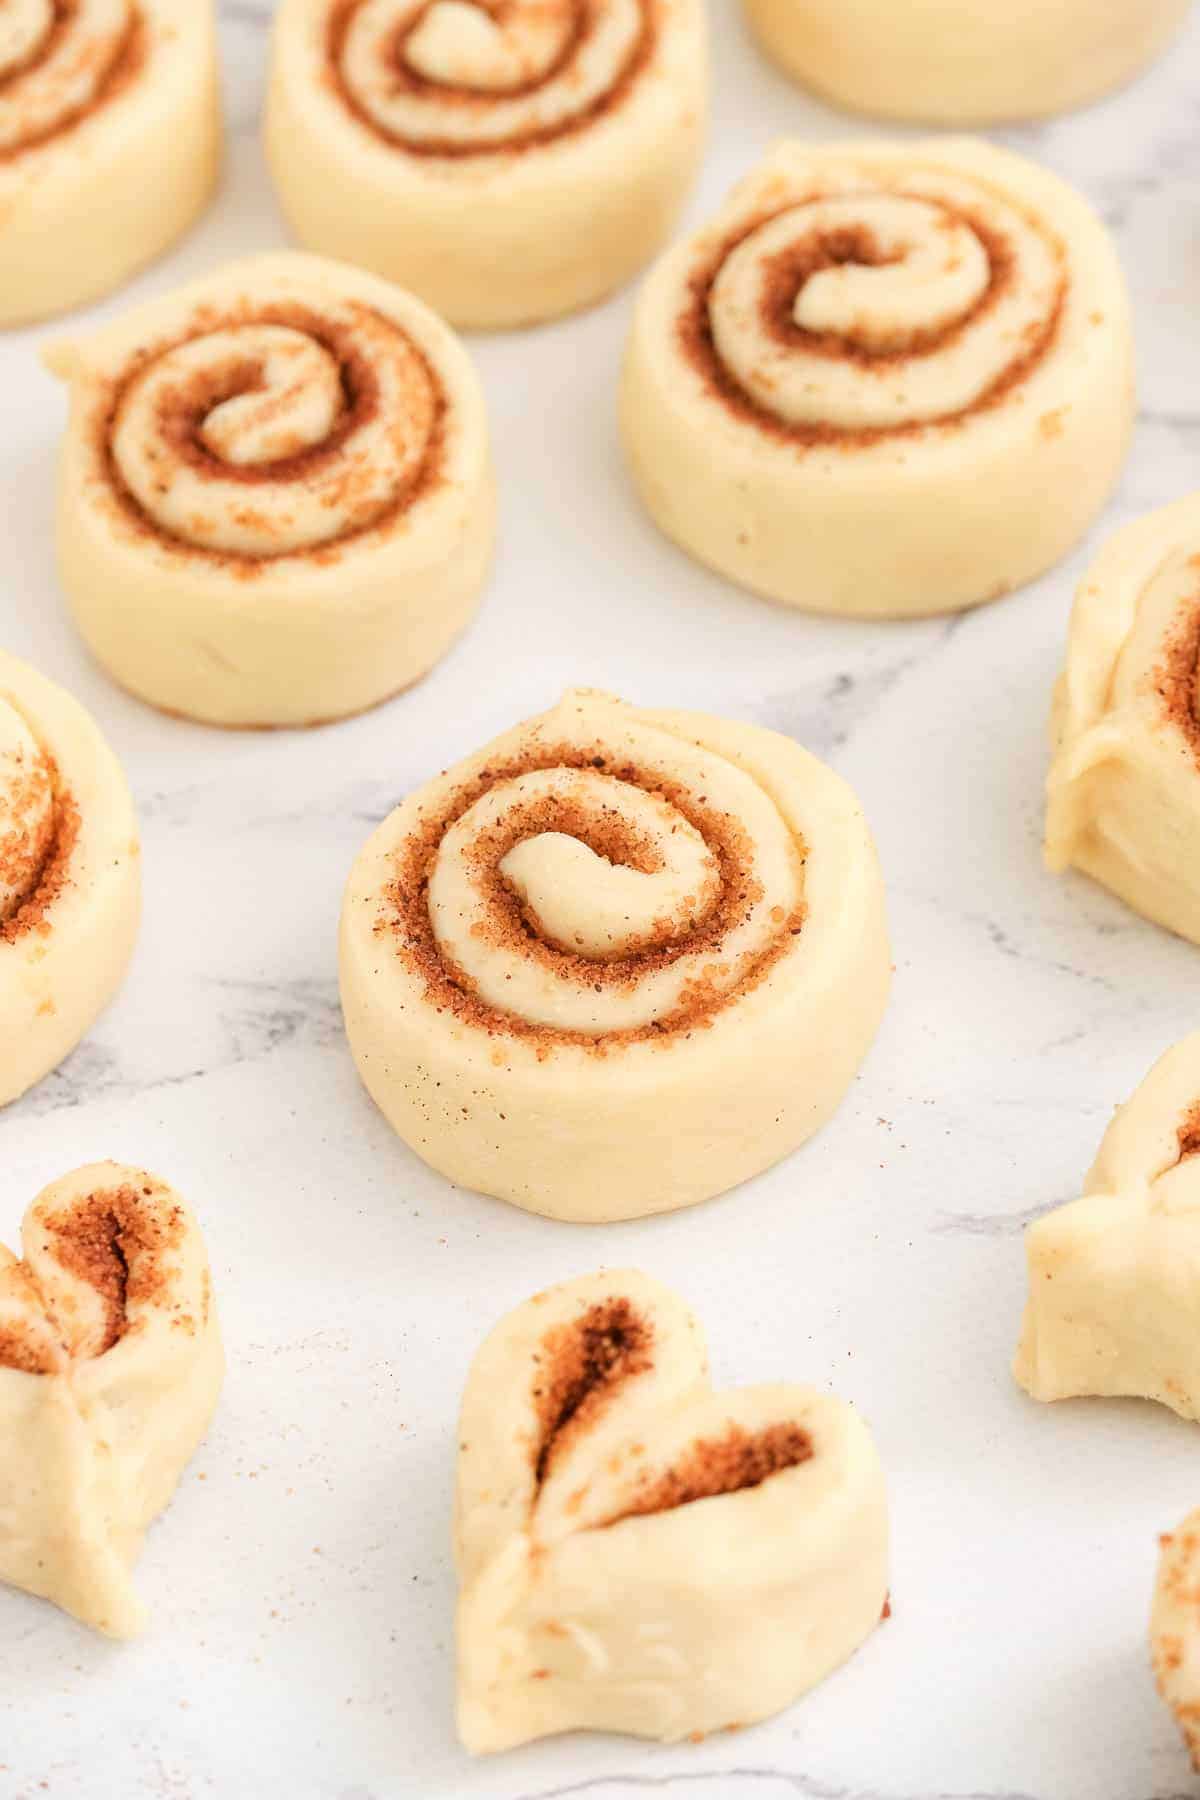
(403, 78)
(405, 918)
(107, 67)
(726, 1465)
(581, 1367)
(785, 272)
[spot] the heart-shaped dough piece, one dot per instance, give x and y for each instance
(1114, 1277)
(1175, 1629)
(638, 1553)
(110, 1367)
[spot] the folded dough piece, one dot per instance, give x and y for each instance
(110, 1367)
(1175, 1629)
(1114, 1277)
(1123, 793)
(638, 1553)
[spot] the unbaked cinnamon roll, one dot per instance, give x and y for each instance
(508, 160)
(616, 962)
(275, 500)
(1123, 795)
(1114, 1275)
(888, 379)
(110, 1367)
(70, 875)
(638, 1553)
(109, 142)
(1175, 1629)
(962, 62)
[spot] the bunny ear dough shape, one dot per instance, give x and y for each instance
(1114, 1276)
(1175, 1629)
(110, 1367)
(638, 1553)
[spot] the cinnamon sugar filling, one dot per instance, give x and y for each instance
(186, 406)
(726, 1465)
(405, 918)
(581, 1368)
(45, 879)
(115, 1244)
(784, 274)
(1189, 1134)
(117, 65)
(1177, 679)
(403, 78)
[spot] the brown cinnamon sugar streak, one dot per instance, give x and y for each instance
(581, 1368)
(1177, 678)
(784, 274)
(118, 64)
(726, 1465)
(188, 405)
(53, 872)
(405, 922)
(114, 1243)
(405, 79)
(1189, 1134)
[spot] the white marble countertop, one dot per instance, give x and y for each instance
(300, 1584)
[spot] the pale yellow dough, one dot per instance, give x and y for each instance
(110, 133)
(110, 1367)
(638, 1553)
(1175, 1629)
(1114, 1277)
(617, 961)
(70, 875)
(509, 165)
(1123, 796)
(963, 62)
(326, 532)
(888, 379)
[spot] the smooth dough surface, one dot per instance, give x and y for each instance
(1123, 795)
(508, 165)
(1175, 1629)
(110, 1367)
(638, 1553)
(888, 379)
(275, 493)
(110, 135)
(70, 875)
(1114, 1277)
(963, 62)
(617, 961)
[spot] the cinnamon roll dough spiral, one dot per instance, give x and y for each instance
(1114, 1277)
(888, 379)
(275, 497)
(1175, 1629)
(109, 142)
(1123, 795)
(70, 875)
(638, 1553)
(508, 160)
(962, 62)
(616, 962)
(110, 1367)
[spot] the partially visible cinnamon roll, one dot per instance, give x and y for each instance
(1175, 1629)
(275, 501)
(1123, 794)
(109, 142)
(637, 1552)
(70, 875)
(508, 160)
(617, 961)
(887, 379)
(110, 1367)
(963, 62)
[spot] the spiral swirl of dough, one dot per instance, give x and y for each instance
(617, 961)
(59, 59)
(27, 811)
(460, 78)
(871, 310)
(278, 432)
